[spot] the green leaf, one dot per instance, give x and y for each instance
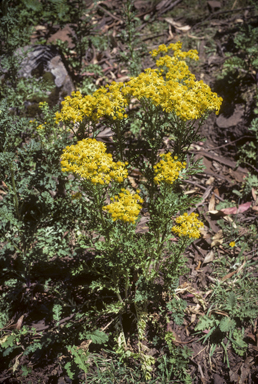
(80, 357)
(57, 311)
(227, 324)
(7, 341)
(34, 5)
(237, 193)
(25, 370)
(97, 337)
(204, 323)
(32, 348)
(239, 345)
(68, 370)
(231, 301)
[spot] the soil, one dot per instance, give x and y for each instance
(211, 30)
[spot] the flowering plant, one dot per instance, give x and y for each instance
(138, 179)
(89, 160)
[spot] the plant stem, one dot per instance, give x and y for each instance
(119, 297)
(126, 284)
(16, 200)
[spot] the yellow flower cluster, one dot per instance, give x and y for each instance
(192, 54)
(188, 226)
(125, 206)
(168, 169)
(232, 244)
(172, 86)
(88, 159)
(40, 127)
(101, 103)
(188, 98)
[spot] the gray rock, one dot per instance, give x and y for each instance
(213, 6)
(234, 119)
(45, 61)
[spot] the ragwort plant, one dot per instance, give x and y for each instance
(170, 103)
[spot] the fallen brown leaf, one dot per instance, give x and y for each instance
(217, 239)
(230, 220)
(19, 322)
(209, 257)
(212, 203)
(4, 185)
(132, 181)
(198, 266)
(123, 79)
(234, 210)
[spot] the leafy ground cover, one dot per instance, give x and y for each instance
(112, 295)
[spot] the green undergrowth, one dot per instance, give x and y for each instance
(91, 260)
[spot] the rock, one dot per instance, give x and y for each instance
(62, 79)
(233, 119)
(46, 62)
(215, 60)
(213, 6)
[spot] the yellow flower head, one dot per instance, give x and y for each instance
(232, 244)
(171, 86)
(180, 92)
(125, 207)
(88, 159)
(168, 169)
(188, 226)
(103, 102)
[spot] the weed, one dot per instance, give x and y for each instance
(131, 39)
(240, 65)
(71, 237)
(124, 254)
(234, 303)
